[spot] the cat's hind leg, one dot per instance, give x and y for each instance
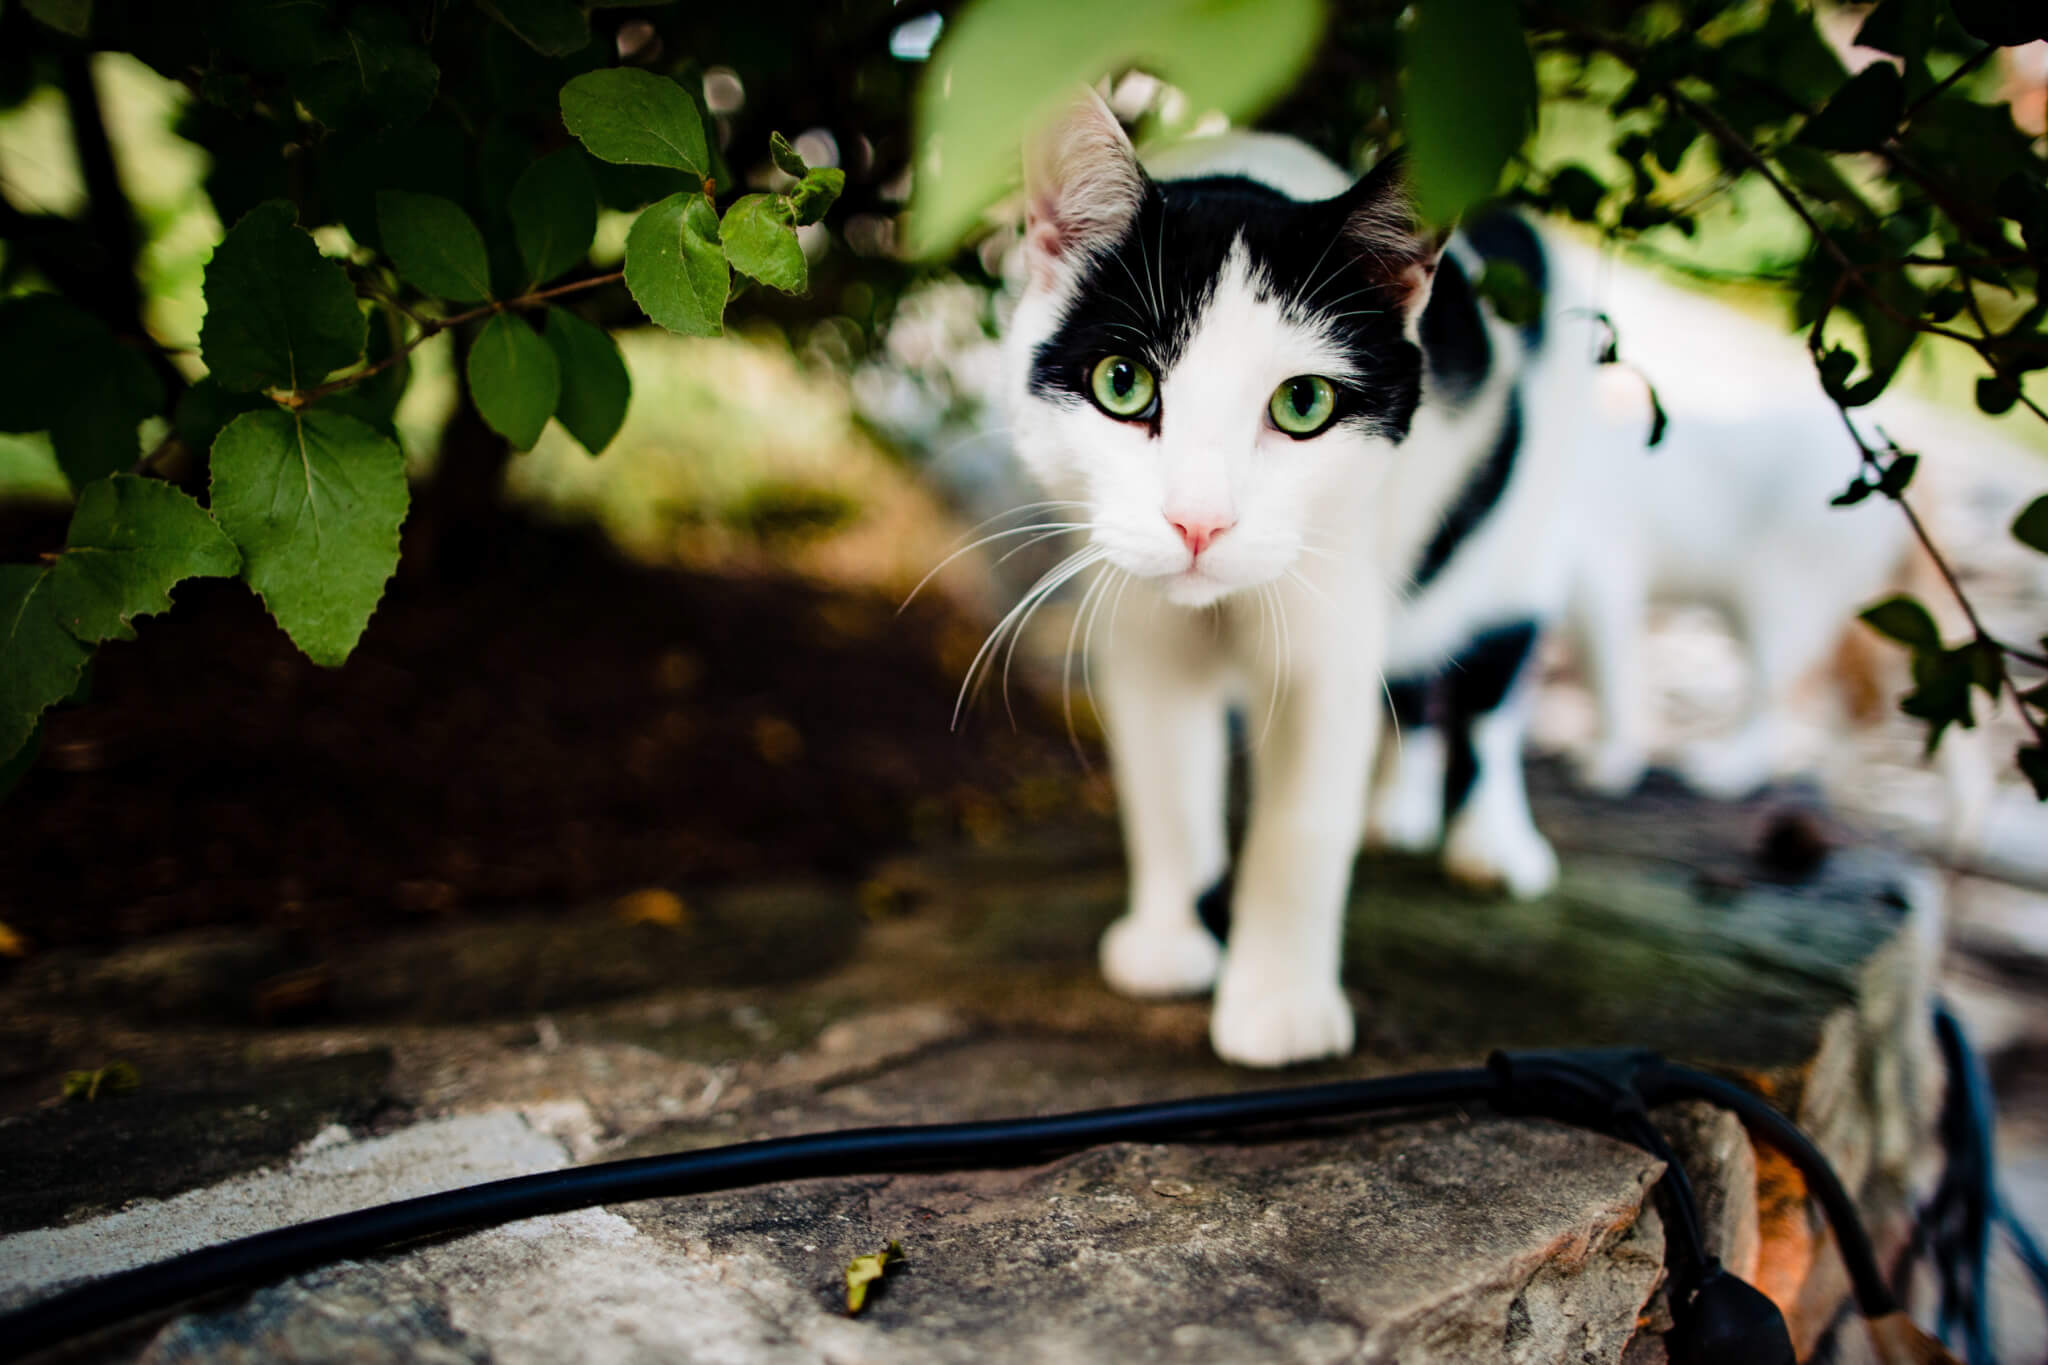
(1492, 841)
(1169, 749)
(1787, 629)
(1610, 619)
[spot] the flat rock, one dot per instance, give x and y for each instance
(1762, 940)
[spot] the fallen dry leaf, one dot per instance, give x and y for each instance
(863, 1271)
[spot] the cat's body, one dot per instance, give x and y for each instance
(1407, 508)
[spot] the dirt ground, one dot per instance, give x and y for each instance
(558, 726)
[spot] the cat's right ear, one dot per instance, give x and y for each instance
(1082, 187)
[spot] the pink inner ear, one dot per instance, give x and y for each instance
(1413, 283)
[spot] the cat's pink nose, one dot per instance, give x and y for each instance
(1199, 535)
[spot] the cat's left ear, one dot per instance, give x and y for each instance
(1379, 221)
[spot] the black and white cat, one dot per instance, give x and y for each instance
(1311, 460)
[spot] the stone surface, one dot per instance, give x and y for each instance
(969, 990)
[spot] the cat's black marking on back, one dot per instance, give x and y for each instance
(1474, 682)
(1453, 331)
(1481, 493)
(1143, 296)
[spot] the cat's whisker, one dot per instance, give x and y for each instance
(1091, 601)
(1048, 583)
(1143, 292)
(1048, 530)
(1087, 652)
(1017, 633)
(1302, 578)
(1393, 716)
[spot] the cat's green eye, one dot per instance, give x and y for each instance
(1303, 405)
(1122, 387)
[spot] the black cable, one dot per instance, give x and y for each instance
(862, 1151)
(1604, 1090)
(1661, 1082)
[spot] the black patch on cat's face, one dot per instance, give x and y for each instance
(1144, 296)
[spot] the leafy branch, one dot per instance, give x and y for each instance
(431, 327)
(307, 488)
(1868, 113)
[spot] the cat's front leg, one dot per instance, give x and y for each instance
(1280, 999)
(1164, 711)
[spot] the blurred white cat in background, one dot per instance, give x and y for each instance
(1733, 510)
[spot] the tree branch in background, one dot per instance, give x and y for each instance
(109, 290)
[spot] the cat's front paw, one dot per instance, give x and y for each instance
(1279, 1023)
(1153, 963)
(1518, 861)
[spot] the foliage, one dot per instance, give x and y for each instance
(387, 173)
(279, 464)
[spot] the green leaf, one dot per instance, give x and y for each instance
(131, 541)
(434, 245)
(2022, 198)
(1904, 28)
(784, 156)
(1996, 395)
(636, 118)
(314, 501)
(1469, 101)
(95, 434)
(1862, 114)
(2004, 23)
(2030, 527)
(1856, 492)
(62, 371)
(73, 17)
(1002, 69)
(1898, 474)
(278, 313)
(595, 385)
(275, 35)
(674, 267)
(554, 214)
(514, 378)
(760, 241)
(1905, 620)
(1670, 141)
(205, 407)
(553, 28)
(39, 659)
(1514, 296)
(815, 193)
(379, 76)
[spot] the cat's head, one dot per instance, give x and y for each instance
(1211, 366)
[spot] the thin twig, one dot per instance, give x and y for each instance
(1969, 64)
(432, 327)
(1978, 631)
